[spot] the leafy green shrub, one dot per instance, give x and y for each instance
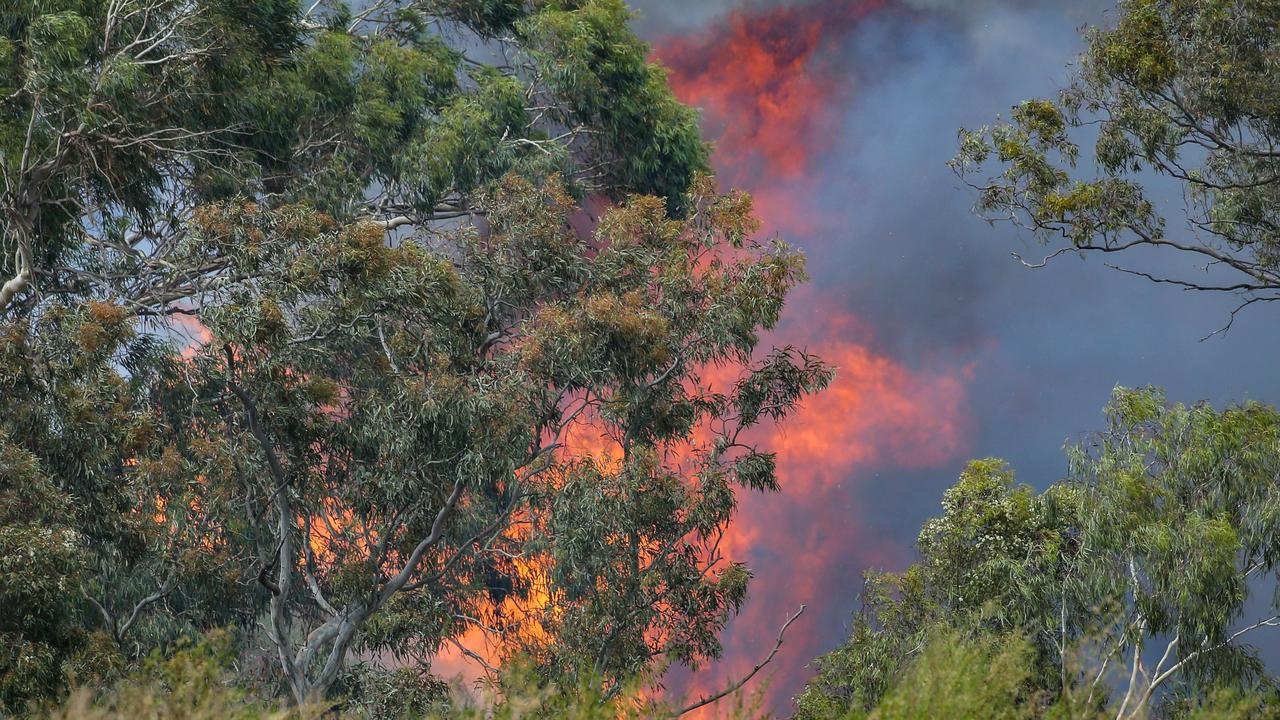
(962, 679)
(191, 683)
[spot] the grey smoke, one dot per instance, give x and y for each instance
(661, 17)
(900, 249)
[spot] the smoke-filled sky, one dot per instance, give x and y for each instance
(839, 115)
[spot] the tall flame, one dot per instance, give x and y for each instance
(770, 88)
(764, 85)
(768, 85)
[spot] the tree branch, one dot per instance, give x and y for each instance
(743, 681)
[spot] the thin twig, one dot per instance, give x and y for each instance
(760, 665)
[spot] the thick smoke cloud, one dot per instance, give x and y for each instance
(840, 115)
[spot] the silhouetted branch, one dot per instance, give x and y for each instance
(759, 666)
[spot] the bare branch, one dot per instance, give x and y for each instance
(743, 681)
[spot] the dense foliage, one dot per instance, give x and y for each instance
(1142, 584)
(195, 681)
(305, 334)
(1141, 579)
(121, 116)
(334, 336)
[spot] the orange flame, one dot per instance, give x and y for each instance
(190, 334)
(764, 85)
(769, 90)
(803, 543)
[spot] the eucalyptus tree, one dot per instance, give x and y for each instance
(401, 434)
(1183, 523)
(1144, 577)
(112, 113)
(104, 520)
(994, 562)
(397, 319)
(1182, 91)
(120, 117)
(41, 559)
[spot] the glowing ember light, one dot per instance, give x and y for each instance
(189, 333)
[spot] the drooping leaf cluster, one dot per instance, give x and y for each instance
(415, 424)
(301, 339)
(1177, 90)
(521, 429)
(96, 477)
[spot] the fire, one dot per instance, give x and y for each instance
(586, 438)
(806, 545)
(514, 622)
(769, 85)
(764, 84)
(189, 333)
(770, 88)
(877, 412)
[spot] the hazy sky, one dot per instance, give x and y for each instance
(949, 348)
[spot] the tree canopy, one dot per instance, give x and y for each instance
(1140, 579)
(1180, 99)
(306, 333)
(1142, 584)
(122, 116)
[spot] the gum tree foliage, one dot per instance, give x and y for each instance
(193, 681)
(1130, 579)
(121, 116)
(987, 676)
(376, 441)
(954, 677)
(394, 424)
(961, 678)
(992, 562)
(1182, 90)
(100, 514)
(41, 558)
(137, 135)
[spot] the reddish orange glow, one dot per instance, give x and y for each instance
(801, 544)
(190, 333)
(503, 628)
(585, 438)
(768, 87)
(160, 517)
(764, 85)
(876, 413)
(337, 533)
(770, 90)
